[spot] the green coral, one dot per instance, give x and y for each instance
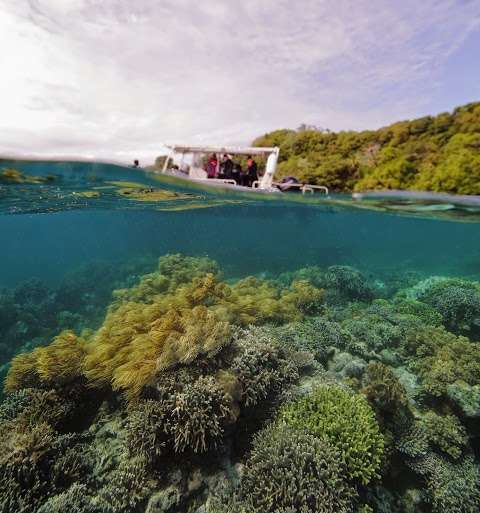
(292, 471)
(349, 283)
(441, 358)
(452, 487)
(445, 433)
(317, 335)
(458, 302)
(346, 421)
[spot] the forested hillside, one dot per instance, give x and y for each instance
(440, 153)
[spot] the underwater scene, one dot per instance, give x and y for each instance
(174, 348)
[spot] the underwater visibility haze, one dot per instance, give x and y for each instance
(168, 348)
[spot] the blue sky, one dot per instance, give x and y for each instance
(116, 78)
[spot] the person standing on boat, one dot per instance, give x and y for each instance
(237, 173)
(252, 171)
(212, 166)
(227, 167)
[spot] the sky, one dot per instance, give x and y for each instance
(117, 79)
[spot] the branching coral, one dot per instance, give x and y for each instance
(445, 433)
(261, 367)
(199, 415)
(292, 471)
(452, 487)
(349, 283)
(458, 302)
(317, 335)
(35, 462)
(146, 433)
(192, 418)
(346, 421)
(54, 365)
(441, 358)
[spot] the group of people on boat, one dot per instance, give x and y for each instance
(227, 169)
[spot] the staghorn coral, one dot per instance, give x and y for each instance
(192, 418)
(451, 487)
(146, 433)
(458, 302)
(35, 463)
(346, 421)
(444, 433)
(261, 367)
(57, 364)
(128, 487)
(441, 358)
(198, 416)
(317, 335)
(74, 500)
(291, 471)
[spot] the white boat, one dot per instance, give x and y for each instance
(187, 163)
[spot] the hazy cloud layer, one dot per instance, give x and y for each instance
(116, 78)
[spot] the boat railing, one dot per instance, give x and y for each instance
(303, 187)
(216, 180)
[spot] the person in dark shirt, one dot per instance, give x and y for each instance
(227, 167)
(252, 171)
(237, 173)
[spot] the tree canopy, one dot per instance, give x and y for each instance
(435, 153)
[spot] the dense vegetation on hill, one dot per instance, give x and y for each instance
(440, 153)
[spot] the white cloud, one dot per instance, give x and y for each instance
(115, 78)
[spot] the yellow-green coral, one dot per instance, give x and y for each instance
(255, 301)
(346, 421)
(138, 341)
(56, 364)
(171, 317)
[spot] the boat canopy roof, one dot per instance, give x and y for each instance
(236, 150)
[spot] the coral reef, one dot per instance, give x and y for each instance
(444, 433)
(458, 302)
(288, 470)
(348, 283)
(57, 364)
(316, 335)
(262, 367)
(179, 391)
(441, 358)
(346, 420)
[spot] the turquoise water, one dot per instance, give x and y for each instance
(72, 233)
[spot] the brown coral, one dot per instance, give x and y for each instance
(56, 364)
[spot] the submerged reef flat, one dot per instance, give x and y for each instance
(162, 387)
